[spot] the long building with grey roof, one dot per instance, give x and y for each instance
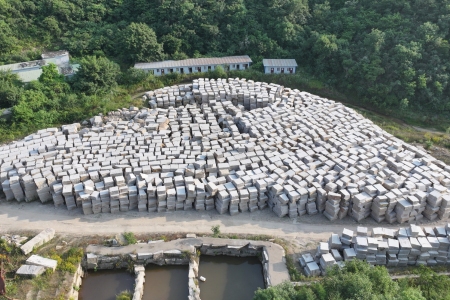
(279, 66)
(195, 65)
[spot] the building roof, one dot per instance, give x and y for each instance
(279, 63)
(31, 70)
(192, 62)
(27, 71)
(23, 65)
(30, 75)
(54, 54)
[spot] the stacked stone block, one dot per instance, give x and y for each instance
(235, 146)
(407, 246)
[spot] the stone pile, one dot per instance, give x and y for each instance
(235, 146)
(35, 265)
(16, 240)
(411, 245)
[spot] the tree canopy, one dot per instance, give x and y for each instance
(140, 43)
(389, 53)
(96, 75)
(359, 280)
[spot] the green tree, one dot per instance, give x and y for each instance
(219, 72)
(132, 76)
(8, 40)
(51, 82)
(284, 291)
(355, 280)
(96, 75)
(411, 294)
(140, 43)
(50, 74)
(432, 285)
(34, 110)
(10, 89)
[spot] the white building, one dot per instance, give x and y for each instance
(279, 66)
(195, 65)
(31, 70)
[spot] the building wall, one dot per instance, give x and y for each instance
(277, 70)
(157, 72)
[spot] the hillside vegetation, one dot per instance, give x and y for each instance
(391, 56)
(359, 280)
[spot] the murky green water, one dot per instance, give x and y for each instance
(166, 282)
(105, 285)
(230, 278)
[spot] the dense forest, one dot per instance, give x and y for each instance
(386, 54)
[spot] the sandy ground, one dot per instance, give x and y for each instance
(16, 216)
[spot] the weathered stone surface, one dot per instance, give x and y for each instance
(37, 260)
(40, 239)
(30, 271)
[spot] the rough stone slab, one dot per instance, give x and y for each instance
(37, 260)
(30, 271)
(40, 239)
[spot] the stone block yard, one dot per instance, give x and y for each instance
(254, 157)
(233, 146)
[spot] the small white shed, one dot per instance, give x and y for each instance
(279, 66)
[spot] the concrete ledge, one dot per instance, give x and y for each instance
(139, 271)
(194, 289)
(76, 283)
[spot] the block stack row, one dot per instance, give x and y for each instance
(409, 246)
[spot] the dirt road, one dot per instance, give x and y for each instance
(36, 216)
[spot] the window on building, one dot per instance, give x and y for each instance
(278, 69)
(178, 69)
(157, 70)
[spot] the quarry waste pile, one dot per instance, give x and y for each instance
(232, 145)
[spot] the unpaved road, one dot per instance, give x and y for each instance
(36, 216)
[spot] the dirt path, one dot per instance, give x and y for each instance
(137, 95)
(36, 216)
(431, 130)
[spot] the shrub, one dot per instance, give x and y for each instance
(70, 260)
(215, 230)
(124, 295)
(130, 238)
